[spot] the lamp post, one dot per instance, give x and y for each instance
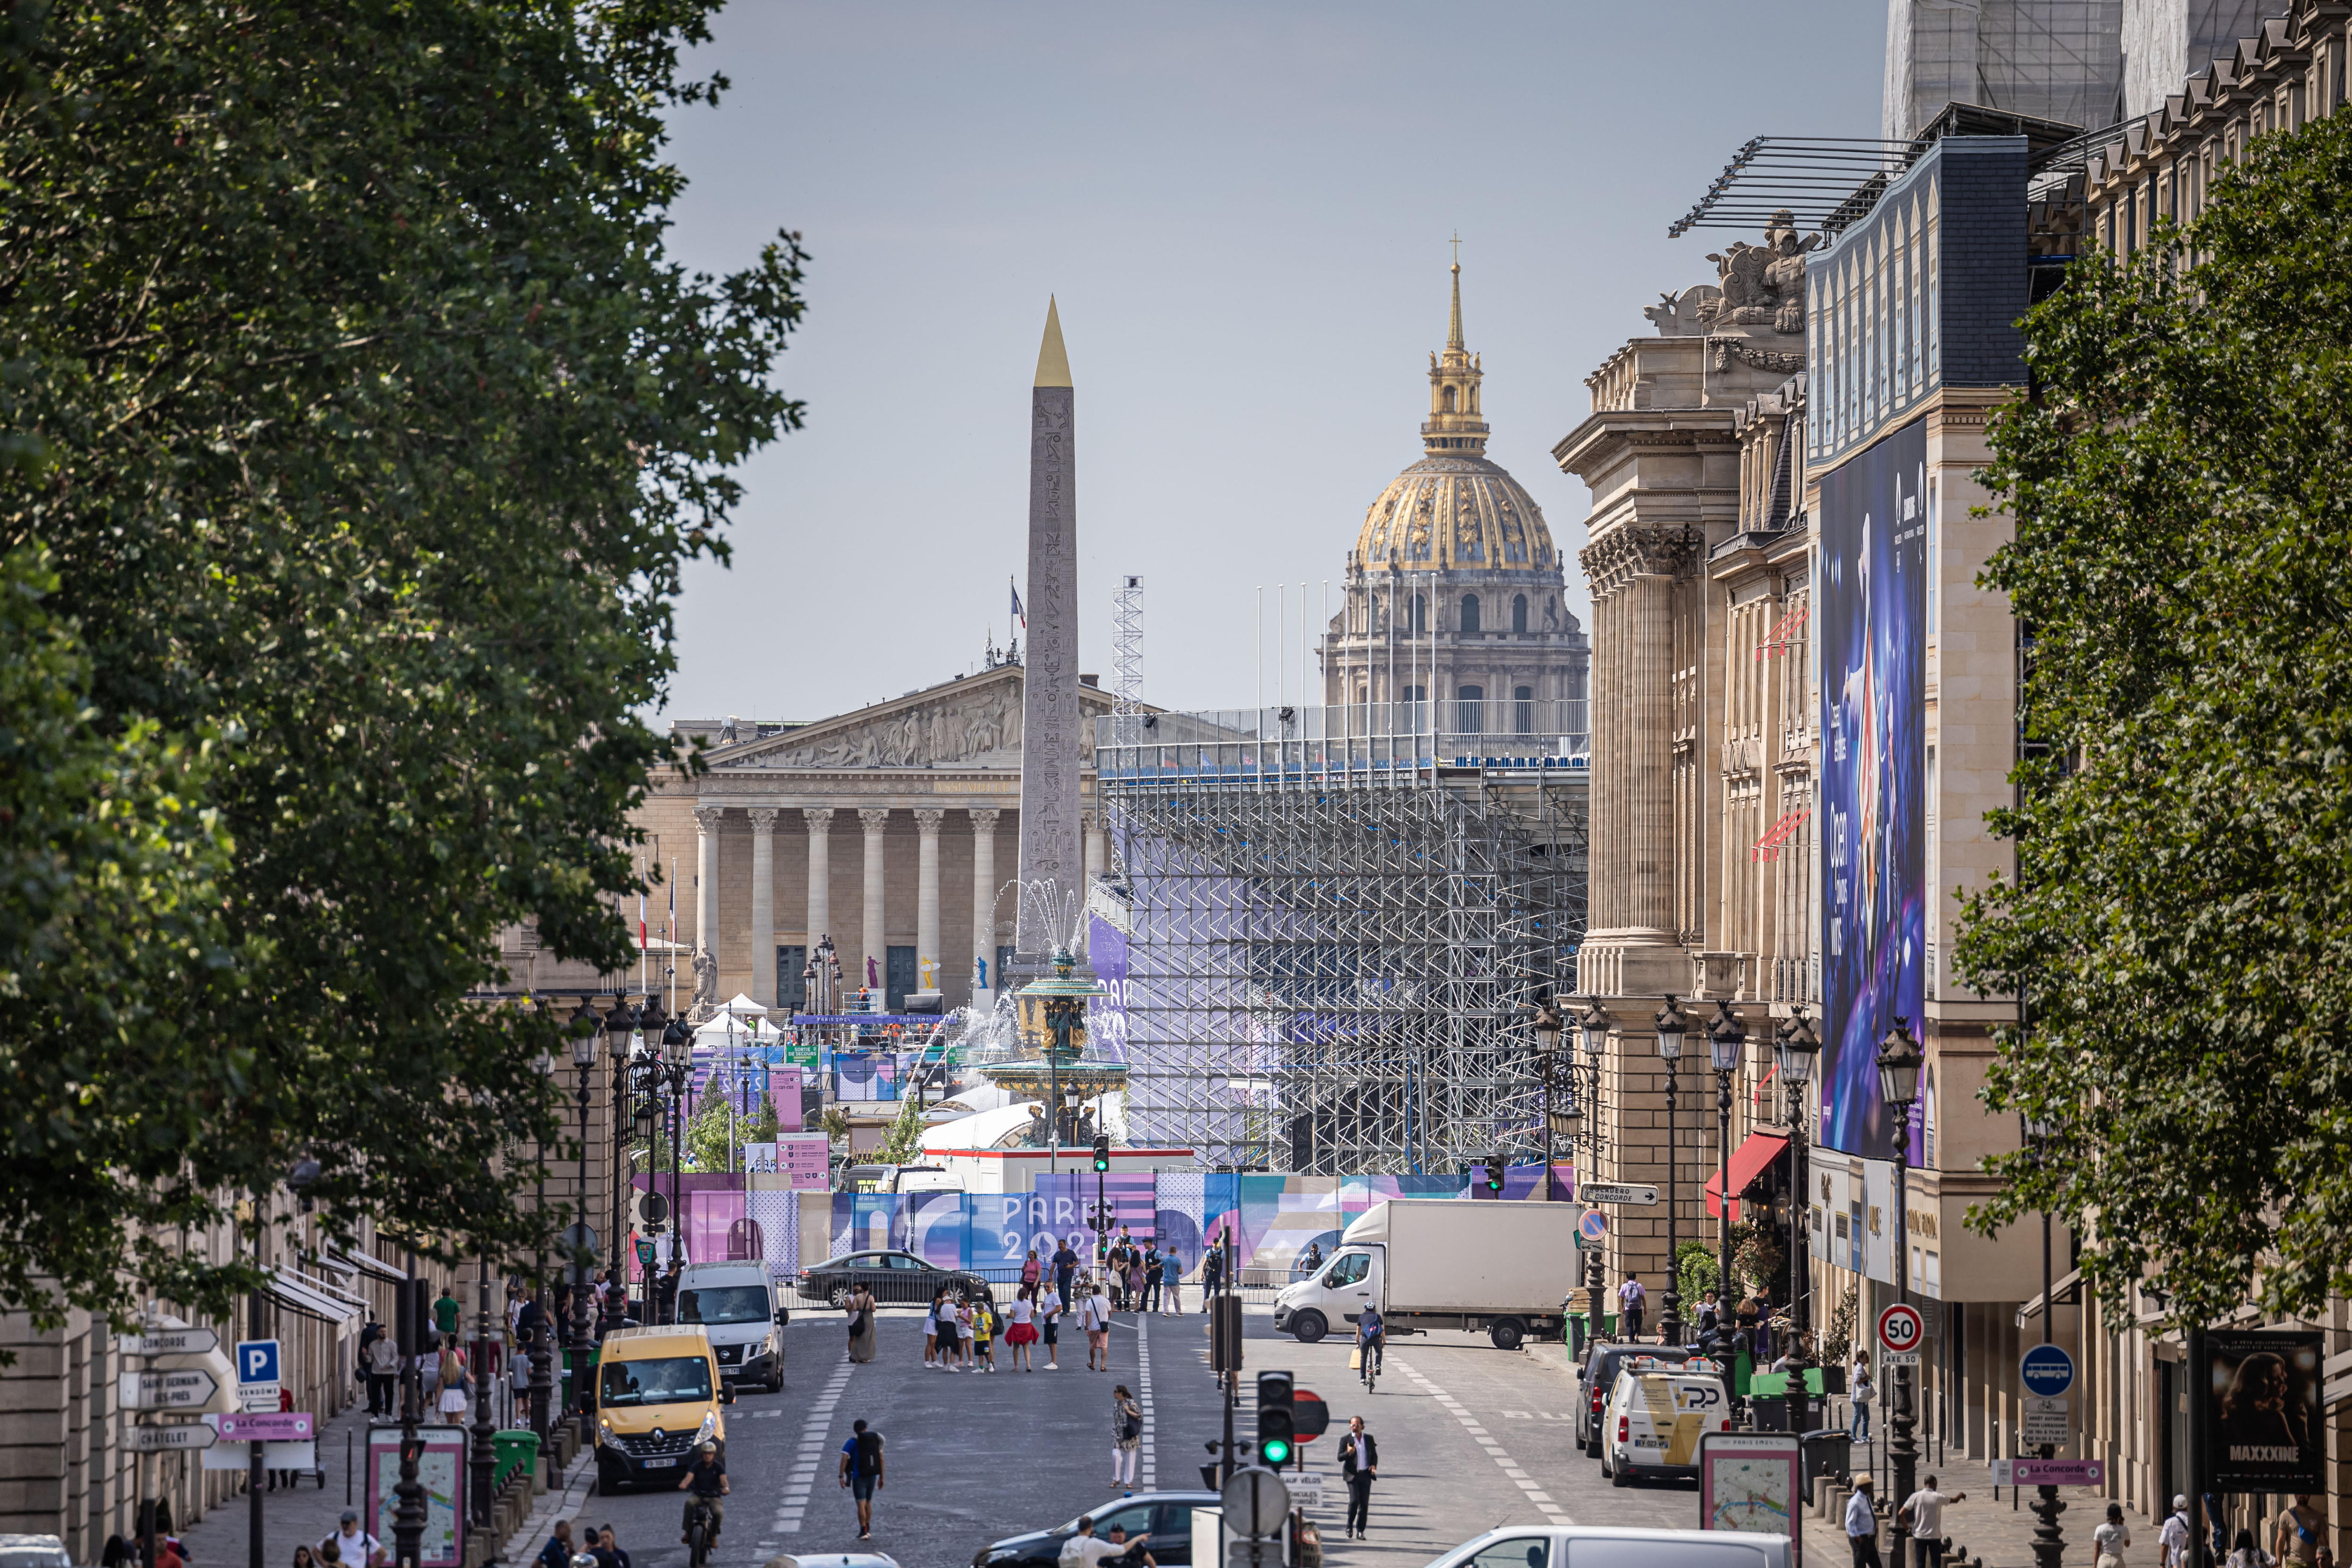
(678, 1051)
(1671, 1026)
(1549, 1025)
(585, 1027)
(645, 1106)
(1726, 1039)
(543, 1373)
(2049, 1537)
(1594, 1026)
(620, 1038)
(1899, 1061)
(1795, 1048)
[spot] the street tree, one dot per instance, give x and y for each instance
(2179, 927)
(361, 424)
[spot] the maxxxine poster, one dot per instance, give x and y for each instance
(1871, 607)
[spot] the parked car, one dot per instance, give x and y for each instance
(1612, 1546)
(1598, 1375)
(1167, 1515)
(33, 1551)
(894, 1278)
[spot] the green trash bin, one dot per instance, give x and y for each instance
(515, 1450)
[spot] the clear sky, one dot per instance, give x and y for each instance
(1243, 210)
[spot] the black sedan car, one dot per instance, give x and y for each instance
(896, 1278)
(1167, 1515)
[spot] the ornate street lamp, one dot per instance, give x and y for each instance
(483, 1458)
(2049, 1537)
(1795, 1048)
(1671, 1026)
(678, 1051)
(1549, 1027)
(1899, 1061)
(1727, 1041)
(543, 1354)
(1593, 1024)
(585, 1027)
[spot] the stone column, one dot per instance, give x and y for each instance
(1648, 745)
(705, 878)
(763, 905)
(927, 899)
(873, 945)
(983, 908)
(1091, 821)
(820, 886)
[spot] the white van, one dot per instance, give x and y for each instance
(1655, 1415)
(735, 1303)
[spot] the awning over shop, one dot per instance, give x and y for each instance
(297, 1297)
(1746, 1162)
(366, 1265)
(2058, 1287)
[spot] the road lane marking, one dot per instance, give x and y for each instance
(1511, 1469)
(793, 1508)
(1148, 1466)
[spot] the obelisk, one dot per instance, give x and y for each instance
(1050, 839)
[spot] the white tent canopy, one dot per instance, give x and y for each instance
(999, 1129)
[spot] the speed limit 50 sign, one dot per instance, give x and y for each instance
(1900, 1330)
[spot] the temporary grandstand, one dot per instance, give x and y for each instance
(1336, 923)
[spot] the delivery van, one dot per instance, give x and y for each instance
(1655, 1414)
(658, 1396)
(1443, 1263)
(736, 1303)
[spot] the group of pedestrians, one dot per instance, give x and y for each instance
(960, 1335)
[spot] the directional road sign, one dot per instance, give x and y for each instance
(166, 1390)
(269, 1427)
(168, 1341)
(2046, 1370)
(2048, 1472)
(172, 1439)
(1900, 1328)
(1617, 1193)
(1255, 1501)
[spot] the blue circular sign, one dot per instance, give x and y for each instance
(2046, 1370)
(1594, 1225)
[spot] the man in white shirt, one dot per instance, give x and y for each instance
(1049, 1324)
(1926, 1509)
(1862, 1526)
(354, 1547)
(1084, 1550)
(2172, 1539)
(1095, 1314)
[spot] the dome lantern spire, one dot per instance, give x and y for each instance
(1456, 426)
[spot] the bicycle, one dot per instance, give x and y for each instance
(1369, 1357)
(697, 1534)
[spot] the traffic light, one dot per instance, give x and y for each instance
(1225, 1333)
(1276, 1420)
(1102, 1151)
(1495, 1174)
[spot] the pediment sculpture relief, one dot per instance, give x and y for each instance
(965, 727)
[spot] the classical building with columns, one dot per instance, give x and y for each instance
(894, 829)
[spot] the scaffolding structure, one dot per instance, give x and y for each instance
(1331, 969)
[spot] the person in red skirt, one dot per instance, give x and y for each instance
(1021, 1326)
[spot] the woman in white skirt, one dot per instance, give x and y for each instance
(453, 1383)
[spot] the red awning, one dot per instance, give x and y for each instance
(1760, 1150)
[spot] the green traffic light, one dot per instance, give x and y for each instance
(1274, 1452)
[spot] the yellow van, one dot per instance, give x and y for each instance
(659, 1395)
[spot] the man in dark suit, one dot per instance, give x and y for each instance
(1359, 1461)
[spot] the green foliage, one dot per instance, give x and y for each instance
(1756, 1254)
(1698, 1270)
(368, 426)
(904, 1140)
(2180, 923)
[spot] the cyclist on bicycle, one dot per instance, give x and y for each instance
(708, 1477)
(1371, 1341)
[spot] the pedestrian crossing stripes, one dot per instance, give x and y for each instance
(1553, 1512)
(1149, 1468)
(793, 1509)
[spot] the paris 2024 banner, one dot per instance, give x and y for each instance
(1871, 609)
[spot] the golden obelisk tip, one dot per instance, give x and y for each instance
(1052, 359)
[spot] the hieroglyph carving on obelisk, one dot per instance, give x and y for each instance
(1050, 843)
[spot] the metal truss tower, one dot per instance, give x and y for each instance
(1127, 645)
(1335, 973)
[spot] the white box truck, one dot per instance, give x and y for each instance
(1443, 1263)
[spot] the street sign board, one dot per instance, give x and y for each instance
(1255, 1501)
(1898, 1358)
(1305, 1489)
(257, 1362)
(1900, 1327)
(2048, 1472)
(172, 1439)
(1617, 1193)
(238, 1456)
(186, 1390)
(2046, 1370)
(168, 1341)
(580, 1240)
(271, 1426)
(1593, 1226)
(2038, 1427)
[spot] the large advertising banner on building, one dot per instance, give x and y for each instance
(1872, 611)
(2266, 1431)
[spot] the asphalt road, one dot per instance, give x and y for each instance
(1470, 1438)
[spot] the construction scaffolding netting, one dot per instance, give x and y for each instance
(1329, 971)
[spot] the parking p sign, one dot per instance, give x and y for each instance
(256, 1360)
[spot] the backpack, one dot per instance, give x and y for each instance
(869, 1453)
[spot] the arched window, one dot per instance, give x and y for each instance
(1470, 709)
(1372, 622)
(1518, 611)
(1523, 710)
(1420, 612)
(1470, 612)
(1449, 400)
